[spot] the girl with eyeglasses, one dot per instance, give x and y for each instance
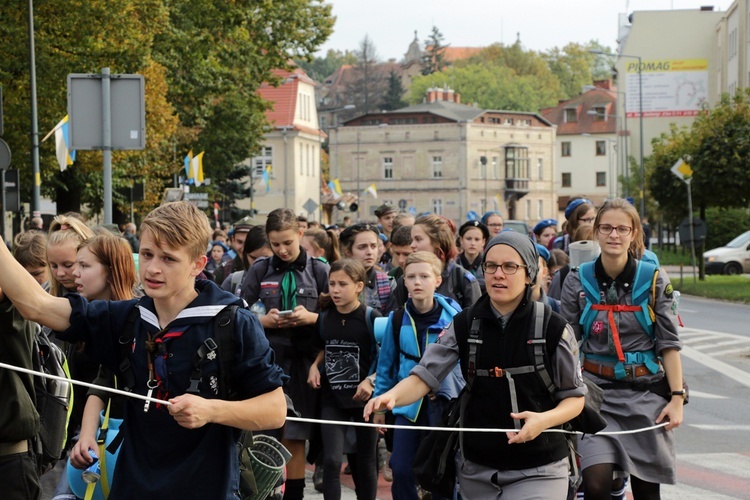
(580, 212)
(630, 348)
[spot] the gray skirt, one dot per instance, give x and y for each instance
(649, 455)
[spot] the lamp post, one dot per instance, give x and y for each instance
(640, 119)
(333, 124)
(358, 194)
(606, 116)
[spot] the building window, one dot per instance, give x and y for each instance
(528, 209)
(540, 209)
(516, 163)
(263, 160)
(495, 167)
(601, 148)
(540, 168)
(387, 167)
(437, 166)
(601, 113)
(437, 206)
(566, 181)
(565, 146)
(601, 179)
(571, 115)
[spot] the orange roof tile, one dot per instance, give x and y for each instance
(585, 123)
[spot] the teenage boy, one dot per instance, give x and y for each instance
(185, 449)
(410, 330)
(400, 250)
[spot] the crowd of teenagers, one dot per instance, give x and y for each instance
(389, 321)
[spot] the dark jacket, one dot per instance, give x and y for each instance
(19, 419)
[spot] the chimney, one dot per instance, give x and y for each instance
(603, 84)
(445, 95)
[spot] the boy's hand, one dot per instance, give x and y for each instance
(190, 411)
(364, 391)
(313, 377)
(378, 405)
(79, 455)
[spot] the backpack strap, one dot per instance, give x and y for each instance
(224, 326)
(396, 322)
(457, 275)
(126, 347)
(593, 296)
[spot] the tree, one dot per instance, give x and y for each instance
(367, 88)
(319, 68)
(394, 97)
(434, 58)
(574, 66)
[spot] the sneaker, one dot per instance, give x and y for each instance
(318, 478)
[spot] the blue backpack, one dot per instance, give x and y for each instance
(644, 286)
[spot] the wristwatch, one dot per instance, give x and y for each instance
(679, 393)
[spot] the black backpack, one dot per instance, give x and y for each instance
(53, 399)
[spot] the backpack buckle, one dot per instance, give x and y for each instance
(496, 372)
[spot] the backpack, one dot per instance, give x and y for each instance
(643, 290)
(53, 401)
(223, 332)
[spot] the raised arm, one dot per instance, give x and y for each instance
(29, 298)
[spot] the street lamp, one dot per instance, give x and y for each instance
(606, 116)
(640, 118)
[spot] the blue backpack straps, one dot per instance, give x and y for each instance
(591, 289)
(645, 276)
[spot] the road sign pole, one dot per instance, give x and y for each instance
(688, 181)
(107, 145)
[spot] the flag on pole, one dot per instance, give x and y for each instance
(188, 161)
(334, 193)
(267, 178)
(498, 201)
(65, 156)
(337, 186)
(371, 189)
(196, 168)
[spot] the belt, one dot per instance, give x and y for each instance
(13, 448)
(607, 371)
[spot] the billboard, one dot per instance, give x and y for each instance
(671, 87)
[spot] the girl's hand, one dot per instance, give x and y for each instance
(533, 426)
(79, 455)
(299, 317)
(379, 418)
(313, 377)
(673, 412)
(364, 391)
(378, 405)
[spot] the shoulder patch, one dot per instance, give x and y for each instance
(469, 277)
(669, 291)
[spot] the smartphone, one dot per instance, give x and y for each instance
(285, 313)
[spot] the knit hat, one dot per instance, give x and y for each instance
(521, 244)
(544, 224)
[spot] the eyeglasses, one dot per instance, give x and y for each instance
(587, 220)
(495, 225)
(509, 268)
(606, 229)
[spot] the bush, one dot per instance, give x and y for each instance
(724, 225)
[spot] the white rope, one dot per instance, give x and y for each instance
(463, 429)
(321, 421)
(84, 384)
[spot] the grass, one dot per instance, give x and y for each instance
(674, 257)
(734, 288)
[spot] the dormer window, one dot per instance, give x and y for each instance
(571, 115)
(601, 113)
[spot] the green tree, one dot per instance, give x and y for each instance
(394, 97)
(574, 66)
(434, 58)
(319, 68)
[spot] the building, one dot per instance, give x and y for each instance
(684, 61)
(286, 172)
(588, 154)
(448, 158)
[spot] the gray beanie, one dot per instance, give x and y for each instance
(521, 244)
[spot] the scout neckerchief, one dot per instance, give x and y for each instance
(157, 353)
(472, 267)
(288, 291)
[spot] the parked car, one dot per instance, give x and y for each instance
(518, 226)
(733, 258)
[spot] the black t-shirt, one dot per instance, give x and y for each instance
(350, 354)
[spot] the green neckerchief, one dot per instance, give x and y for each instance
(289, 290)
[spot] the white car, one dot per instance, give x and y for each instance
(733, 258)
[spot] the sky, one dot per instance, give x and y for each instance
(542, 24)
